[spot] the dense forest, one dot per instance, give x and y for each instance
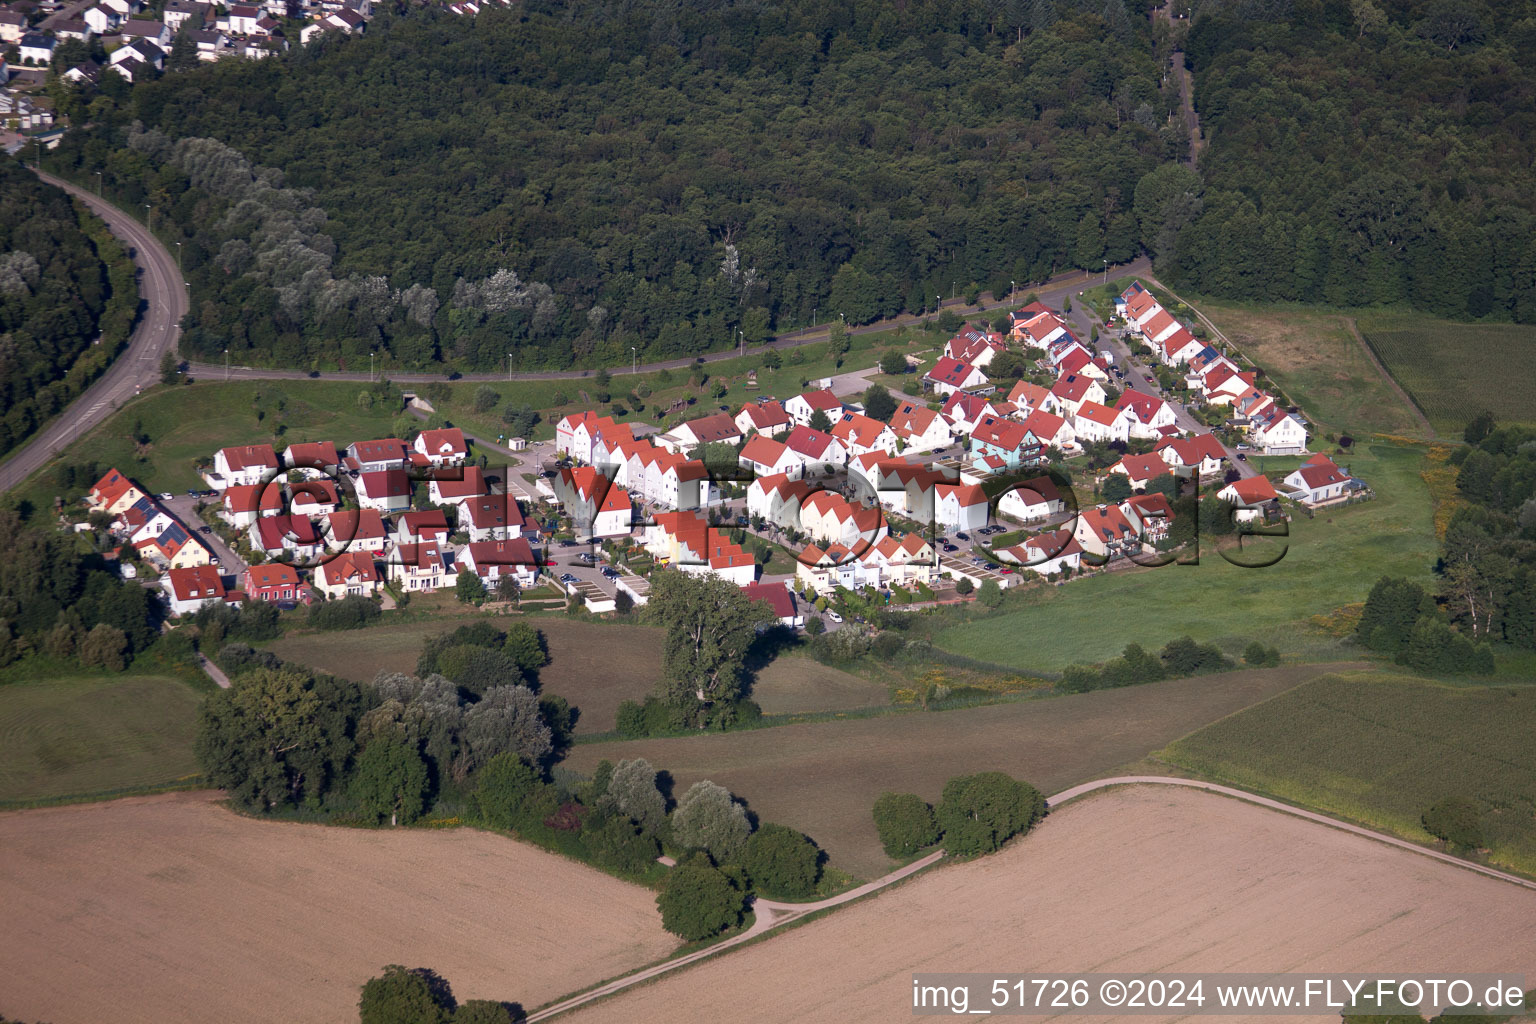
(1374, 151)
(59, 272)
(562, 182)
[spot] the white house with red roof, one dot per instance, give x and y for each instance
(243, 503)
(357, 530)
(818, 451)
(964, 410)
(1104, 531)
(1318, 480)
(350, 574)
(1135, 302)
(173, 547)
(1031, 500)
(1146, 414)
(860, 434)
(1037, 326)
(420, 525)
(1046, 553)
(314, 497)
(686, 541)
(919, 428)
(384, 490)
(1250, 494)
(779, 601)
(1095, 422)
(766, 418)
(766, 457)
(803, 406)
(1151, 513)
(1027, 397)
(904, 561)
(950, 375)
(1070, 392)
(242, 465)
(1049, 429)
(826, 568)
(1179, 347)
(312, 458)
(493, 559)
(295, 536)
(1079, 361)
(453, 484)
(442, 447)
(275, 582)
(959, 506)
(974, 347)
(777, 498)
(191, 588)
(114, 493)
(490, 517)
(1140, 469)
(827, 516)
(420, 567)
(378, 456)
(1198, 456)
(1277, 432)
(576, 433)
(717, 428)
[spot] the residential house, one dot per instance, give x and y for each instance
(1037, 326)
(429, 524)
(1026, 398)
(1047, 553)
(384, 490)
(211, 44)
(950, 375)
(191, 588)
(803, 406)
(1253, 496)
(313, 458)
(919, 428)
(1151, 513)
(766, 418)
(13, 25)
(1178, 347)
(1146, 414)
(243, 465)
(275, 582)
(776, 499)
(278, 535)
(1095, 422)
(1069, 393)
(904, 561)
(826, 516)
(88, 73)
(1134, 302)
(766, 457)
(779, 601)
(36, 48)
(142, 520)
(1318, 480)
(241, 19)
(313, 497)
(717, 428)
(73, 28)
(420, 567)
(1031, 501)
(597, 506)
(178, 13)
(378, 456)
(1049, 429)
(1200, 456)
(576, 434)
(491, 517)
(357, 530)
(1006, 439)
(124, 8)
(1105, 532)
(492, 560)
(973, 347)
(860, 434)
(1277, 432)
(134, 29)
(1157, 326)
(686, 541)
(1141, 469)
(960, 506)
(442, 447)
(818, 452)
(825, 569)
(964, 410)
(1079, 360)
(114, 493)
(350, 574)
(173, 548)
(244, 503)
(453, 484)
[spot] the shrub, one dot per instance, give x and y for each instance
(351, 612)
(814, 626)
(699, 900)
(511, 794)
(978, 813)
(964, 585)
(1456, 820)
(781, 861)
(1259, 656)
(402, 996)
(619, 844)
(1184, 657)
(905, 823)
(990, 594)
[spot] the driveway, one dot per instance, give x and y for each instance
(183, 508)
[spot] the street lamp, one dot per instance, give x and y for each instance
(178, 257)
(1106, 270)
(741, 342)
(226, 364)
(1013, 291)
(509, 366)
(370, 364)
(151, 210)
(634, 360)
(98, 183)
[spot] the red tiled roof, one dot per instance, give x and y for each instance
(312, 454)
(250, 456)
(194, 582)
(386, 483)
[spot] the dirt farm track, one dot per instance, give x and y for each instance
(171, 908)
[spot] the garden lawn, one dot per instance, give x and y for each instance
(73, 735)
(1455, 370)
(1380, 749)
(1314, 358)
(1330, 561)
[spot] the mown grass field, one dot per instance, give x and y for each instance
(593, 665)
(823, 777)
(1380, 749)
(71, 735)
(1330, 561)
(1314, 358)
(1454, 371)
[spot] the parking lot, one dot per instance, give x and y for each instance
(960, 566)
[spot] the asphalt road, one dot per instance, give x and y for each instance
(135, 368)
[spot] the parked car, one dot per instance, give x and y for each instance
(1151, 379)
(193, 494)
(962, 536)
(205, 529)
(834, 616)
(166, 495)
(566, 577)
(1241, 457)
(586, 556)
(742, 520)
(610, 572)
(951, 547)
(1242, 447)
(567, 543)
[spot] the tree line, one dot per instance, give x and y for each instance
(563, 184)
(64, 282)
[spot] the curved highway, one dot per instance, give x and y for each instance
(137, 366)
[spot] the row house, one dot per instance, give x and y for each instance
(686, 541)
(243, 504)
(777, 499)
(597, 506)
(859, 434)
(829, 517)
(577, 433)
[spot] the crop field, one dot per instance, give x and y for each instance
(1135, 880)
(1317, 362)
(1331, 560)
(593, 665)
(75, 735)
(171, 908)
(1454, 371)
(823, 777)
(1380, 749)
